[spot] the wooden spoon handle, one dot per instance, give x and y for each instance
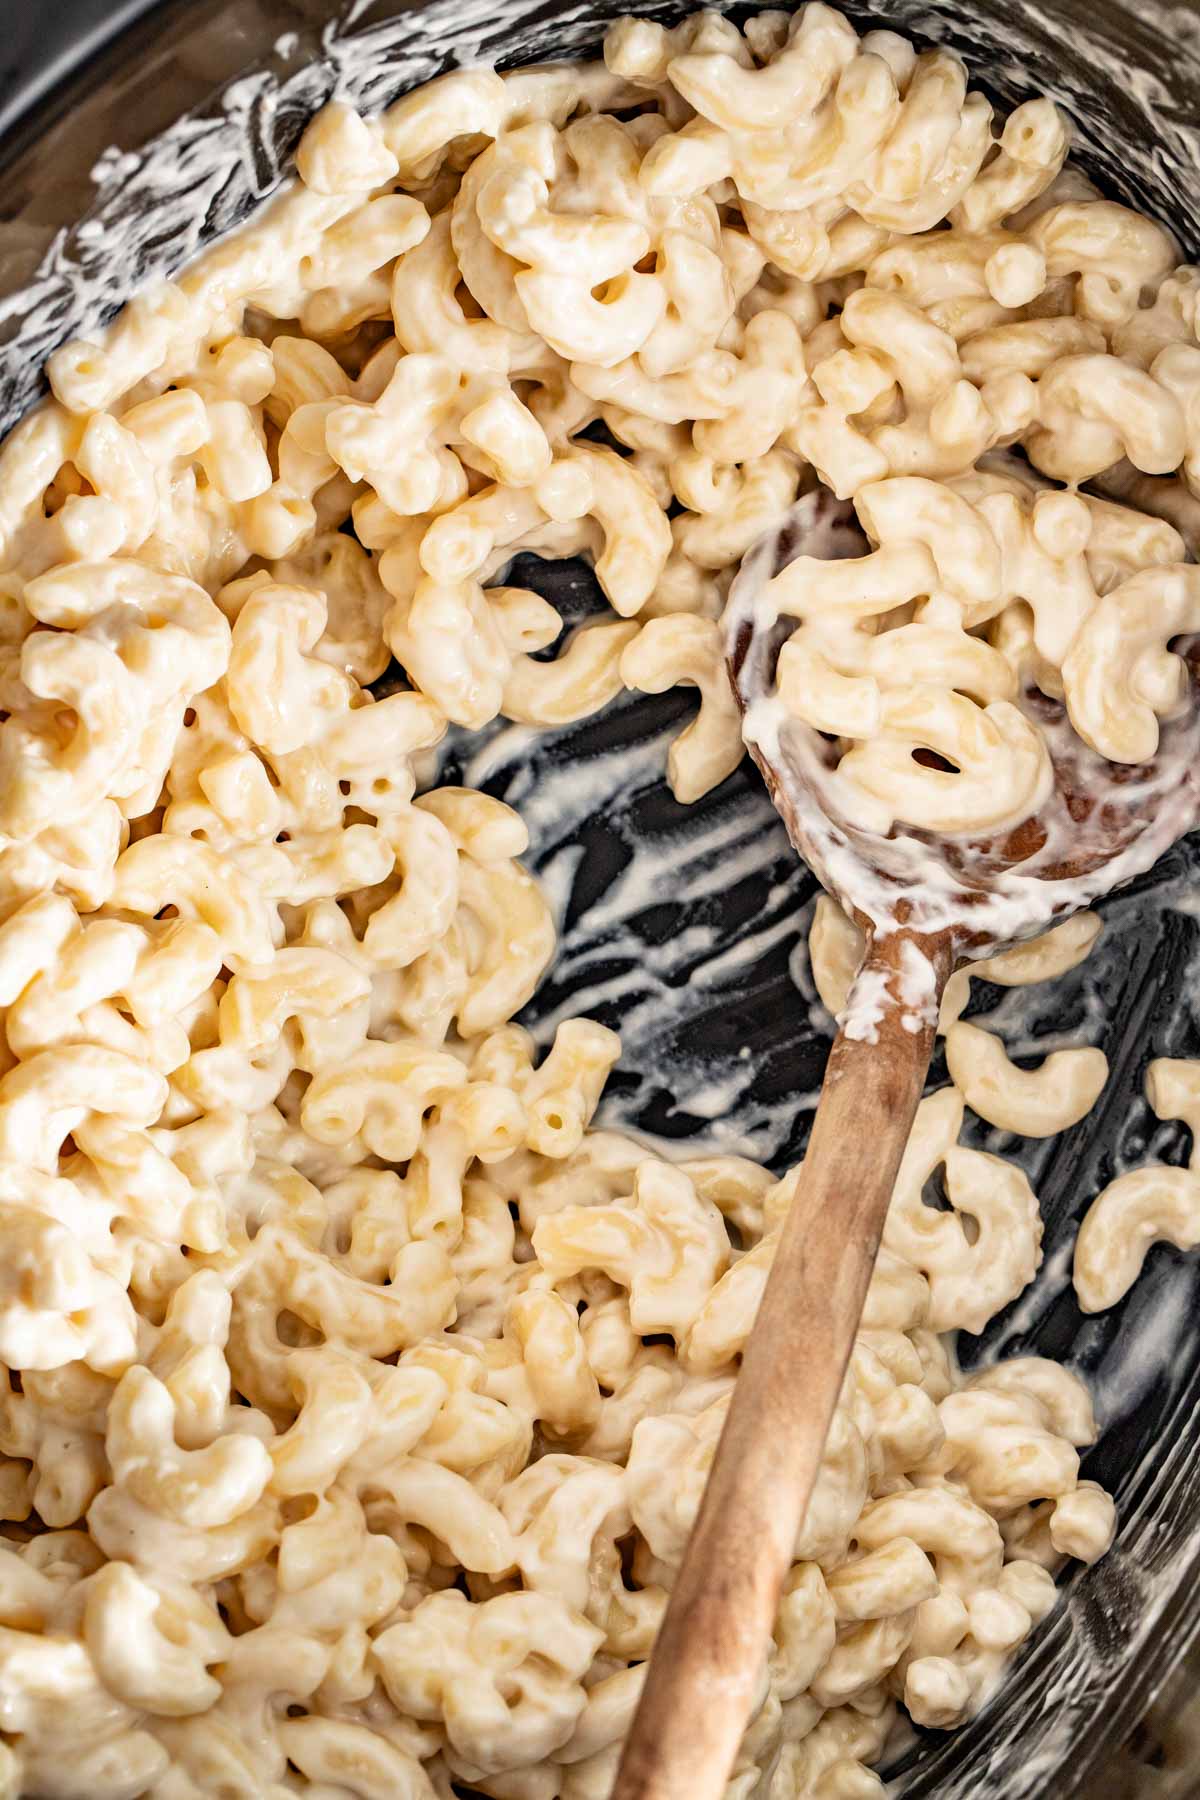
(710, 1650)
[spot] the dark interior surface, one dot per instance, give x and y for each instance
(684, 927)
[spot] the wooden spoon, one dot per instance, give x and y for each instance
(926, 905)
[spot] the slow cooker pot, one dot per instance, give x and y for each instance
(132, 135)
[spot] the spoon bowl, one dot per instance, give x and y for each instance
(1102, 823)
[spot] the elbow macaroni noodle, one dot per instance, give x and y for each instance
(358, 1396)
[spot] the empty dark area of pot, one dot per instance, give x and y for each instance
(1129, 75)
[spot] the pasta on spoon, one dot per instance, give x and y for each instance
(359, 1393)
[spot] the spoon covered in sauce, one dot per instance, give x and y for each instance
(926, 904)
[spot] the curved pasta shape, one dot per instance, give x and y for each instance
(1034, 1102)
(678, 650)
(970, 1276)
(1138, 1209)
(581, 679)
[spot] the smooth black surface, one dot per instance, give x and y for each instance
(42, 42)
(683, 927)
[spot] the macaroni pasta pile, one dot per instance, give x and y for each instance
(358, 1397)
